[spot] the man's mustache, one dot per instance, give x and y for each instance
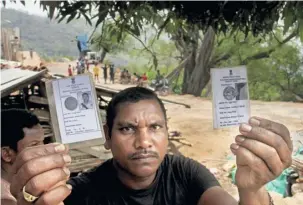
(143, 152)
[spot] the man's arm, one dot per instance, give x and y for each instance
(262, 152)
(218, 196)
(8, 202)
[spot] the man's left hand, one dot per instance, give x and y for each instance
(263, 151)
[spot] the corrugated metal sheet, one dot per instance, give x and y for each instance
(15, 78)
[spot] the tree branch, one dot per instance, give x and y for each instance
(267, 53)
(163, 25)
(146, 48)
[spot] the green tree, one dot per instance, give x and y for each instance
(185, 21)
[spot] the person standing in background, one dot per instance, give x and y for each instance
(112, 73)
(96, 72)
(105, 73)
(69, 70)
(87, 65)
(144, 77)
(79, 69)
(82, 63)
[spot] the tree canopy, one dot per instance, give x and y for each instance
(202, 35)
(256, 16)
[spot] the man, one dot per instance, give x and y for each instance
(69, 70)
(105, 73)
(112, 73)
(144, 77)
(19, 129)
(96, 72)
(79, 68)
(138, 77)
(86, 102)
(158, 76)
(141, 173)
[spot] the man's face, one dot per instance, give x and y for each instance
(139, 137)
(85, 98)
(32, 137)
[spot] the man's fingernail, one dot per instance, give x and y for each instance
(240, 138)
(66, 170)
(245, 128)
(60, 148)
(234, 146)
(69, 186)
(254, 122)
(67, 159)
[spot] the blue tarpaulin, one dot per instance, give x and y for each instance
(82, 42)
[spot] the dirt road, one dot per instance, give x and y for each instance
(209, 145)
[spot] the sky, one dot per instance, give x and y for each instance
(29, 7)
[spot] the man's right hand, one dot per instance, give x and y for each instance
(43, 171)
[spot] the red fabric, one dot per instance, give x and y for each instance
(70, 72)
(144, 77)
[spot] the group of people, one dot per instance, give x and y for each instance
(83, 67)
(111, 67)
(126, 77)
(140, 171)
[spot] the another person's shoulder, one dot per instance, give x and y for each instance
(5, 192)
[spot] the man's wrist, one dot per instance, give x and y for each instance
(254, 197)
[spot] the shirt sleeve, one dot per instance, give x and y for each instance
(199, 178)
(81, 186)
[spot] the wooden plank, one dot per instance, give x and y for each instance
(23, 83)
(109, 92)
(84, 164)
(38, 100)
(43, 115)
(90, 151)
(76, 153)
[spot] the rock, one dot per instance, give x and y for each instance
(297, 188)
(214, 171)
(229, 166)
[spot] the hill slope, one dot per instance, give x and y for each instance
(43, 35)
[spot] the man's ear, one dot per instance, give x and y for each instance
(107, 143)
(7, 154)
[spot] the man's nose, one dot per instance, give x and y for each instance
(143, 139)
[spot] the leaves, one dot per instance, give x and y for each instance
(101, 16)
(301, 29)
(289, 18)
(71, 17)
(256, 17)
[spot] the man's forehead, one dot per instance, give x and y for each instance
(141, 104)
(35, 131)
(149, 107)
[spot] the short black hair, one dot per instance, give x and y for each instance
(12, 123)
(85, 94)
(132, 95)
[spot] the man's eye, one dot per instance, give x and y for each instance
(155, 127)
(127, 130)
(33, 144)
